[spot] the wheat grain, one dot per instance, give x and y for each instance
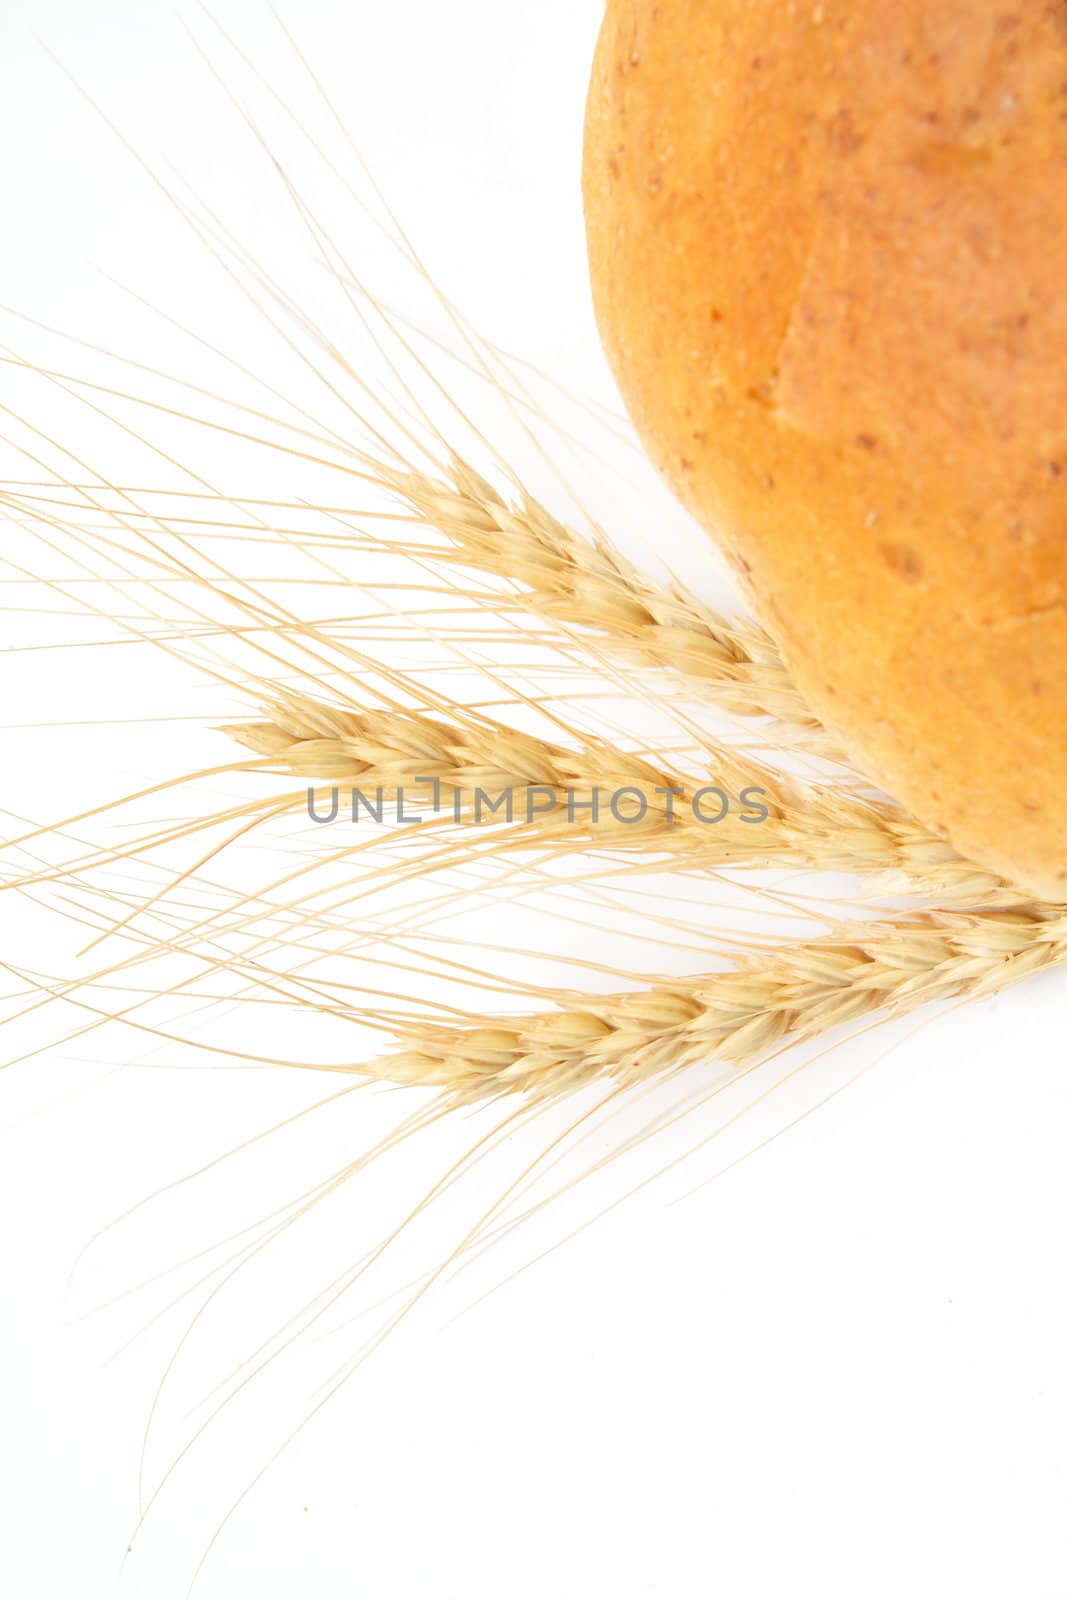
(795, 993)
(585, 583)
(807, 825)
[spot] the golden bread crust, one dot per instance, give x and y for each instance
(828, 246)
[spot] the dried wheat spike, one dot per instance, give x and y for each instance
(808, 825)
(586, 584)
(794, 993)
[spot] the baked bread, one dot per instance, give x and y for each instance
(828, 247)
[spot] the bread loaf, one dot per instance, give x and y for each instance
(828, 247)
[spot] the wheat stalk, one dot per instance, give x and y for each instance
(586, 584)
(794, 994)
(808, 825)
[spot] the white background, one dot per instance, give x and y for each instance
(836, 1371)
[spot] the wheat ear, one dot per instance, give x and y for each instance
(808, 825)
(584, 583)
(794, 994)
